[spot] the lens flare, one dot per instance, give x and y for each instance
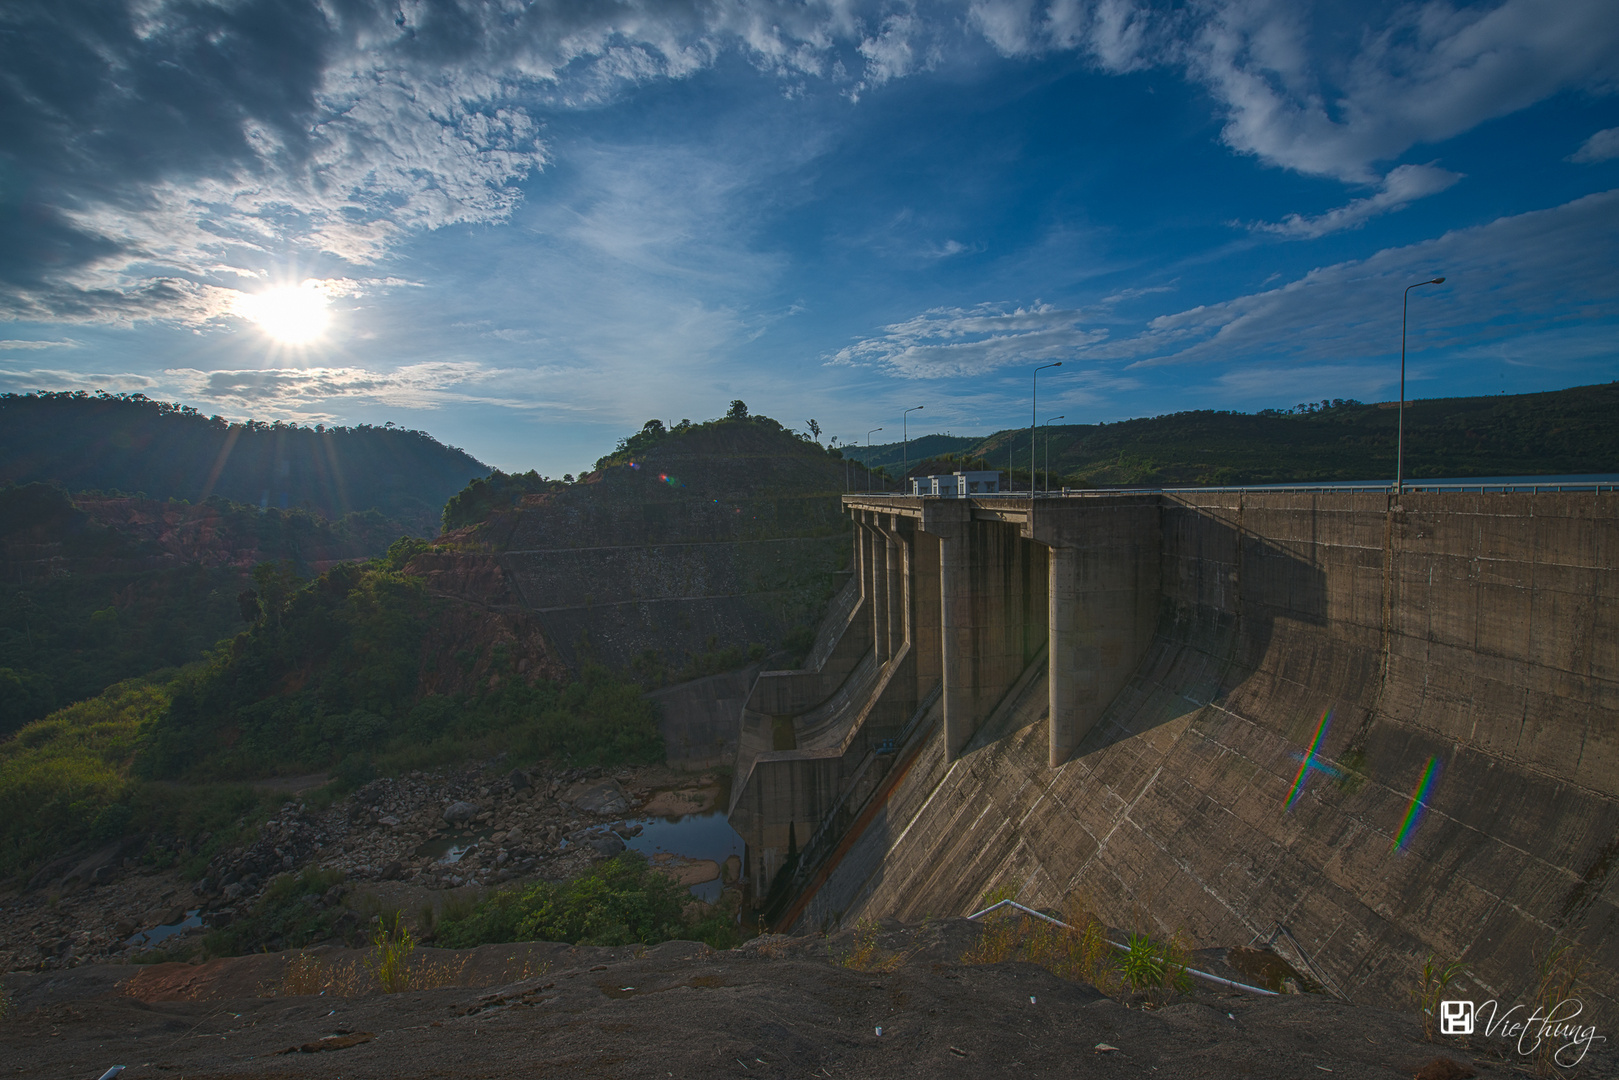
(1419, 803)
(1309, 759)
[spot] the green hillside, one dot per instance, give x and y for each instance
(1559, 432)
(130, 443)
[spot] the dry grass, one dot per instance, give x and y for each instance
(1561, 978)
(1081, 952)
(391, 966)
(1437, 975)
(867, 955)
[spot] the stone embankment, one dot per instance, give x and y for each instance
(481, 827)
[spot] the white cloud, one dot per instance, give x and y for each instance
(1292, 97)
(30, 345)
(210, 140)
(1603, 146)
(954, 342)
(1523, 279)
(1508, 278)
(1402, 186)
(42, 379)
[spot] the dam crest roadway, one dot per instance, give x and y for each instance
(1362, 727)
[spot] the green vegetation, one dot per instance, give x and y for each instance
(290, 915)
(1560, 432)
(497, 491)
(655, 433)
(329, 675)
(1150, 966)
(62, 777)
(1432, 985)
(619, 902)
(128, 442)
(98, 590)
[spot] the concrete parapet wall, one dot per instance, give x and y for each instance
(1476, 632)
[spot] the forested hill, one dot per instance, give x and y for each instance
(1554, 433)
(131, 443)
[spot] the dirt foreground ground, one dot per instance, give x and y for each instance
(778, 1007)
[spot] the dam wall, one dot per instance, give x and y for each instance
(1365, 728)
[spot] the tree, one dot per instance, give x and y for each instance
(815, 430)
(739, 410)
(652, 427)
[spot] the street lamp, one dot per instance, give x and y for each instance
(1399, 453)
(905, 435)
(867, 462)
(1034, 400)
(1049, 419)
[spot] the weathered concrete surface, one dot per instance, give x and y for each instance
(697, 719)
(1479, 631)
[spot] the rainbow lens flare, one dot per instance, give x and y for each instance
(1419, 803)
(1309, 761)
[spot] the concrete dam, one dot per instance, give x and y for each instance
(1361, 728)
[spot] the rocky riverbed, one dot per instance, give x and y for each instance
(400, 843)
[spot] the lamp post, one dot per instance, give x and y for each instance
(1399, 453)
(867, 462)
(1034, 401)
(905, 436)
(1049, 419)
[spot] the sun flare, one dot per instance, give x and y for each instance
(291, 314)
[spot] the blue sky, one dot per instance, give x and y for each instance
(531, 227)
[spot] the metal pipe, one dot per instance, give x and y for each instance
(1190, 971)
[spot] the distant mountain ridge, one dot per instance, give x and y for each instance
(1552, 433)
(132, 443)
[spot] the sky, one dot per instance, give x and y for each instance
(529, 227)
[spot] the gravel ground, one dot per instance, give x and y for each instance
(775, 1008)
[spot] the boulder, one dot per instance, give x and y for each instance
(457, 812)
(607, 844)
(604, 798)
(518, 780)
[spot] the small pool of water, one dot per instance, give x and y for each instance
(163, 933)
(695, 836)
(447, 850)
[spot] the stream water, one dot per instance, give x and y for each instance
(147, 938)
(692, 836)
(695, 836)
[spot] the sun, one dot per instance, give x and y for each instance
(291, 314)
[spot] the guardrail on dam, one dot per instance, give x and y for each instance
(1388, 725)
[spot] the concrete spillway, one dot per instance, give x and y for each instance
(1366, 729)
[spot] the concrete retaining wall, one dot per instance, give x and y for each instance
(1480, 632)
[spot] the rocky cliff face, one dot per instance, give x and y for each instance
(721, 537)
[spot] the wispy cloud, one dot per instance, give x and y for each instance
(41, 379)
(1288, 95)
(952, 342)
(172, 144)
(1518, 277)
(1603, 146)
(1400, 188)
(31, 345)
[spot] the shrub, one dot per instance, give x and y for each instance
(619, 902)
